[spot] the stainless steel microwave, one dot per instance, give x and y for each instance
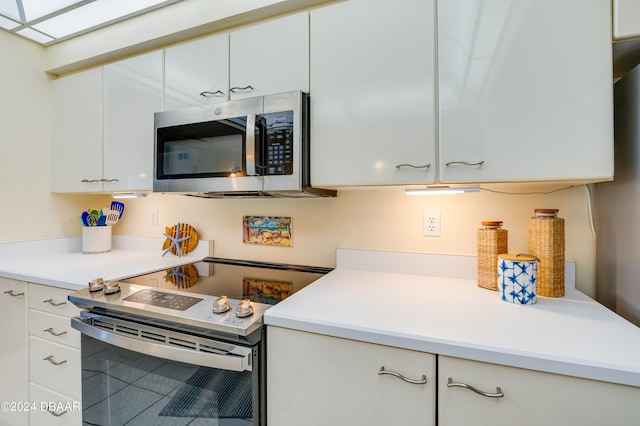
(250, 147)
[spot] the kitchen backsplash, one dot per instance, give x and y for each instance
(378, 219)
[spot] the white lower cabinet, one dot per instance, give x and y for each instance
(319, 380)
(55, 374)
(529, 397)
(13, 351)
(53, 408)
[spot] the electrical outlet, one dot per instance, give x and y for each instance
(153, 217)
(431, 224)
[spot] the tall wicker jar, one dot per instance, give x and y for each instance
(492, 241)
(546, 241)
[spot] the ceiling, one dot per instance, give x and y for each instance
(50, 21)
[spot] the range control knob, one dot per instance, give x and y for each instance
(244, 309)
(96, 285)
(221, 305)
(111, 287)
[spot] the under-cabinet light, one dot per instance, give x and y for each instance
(129, 194)
(441, 189)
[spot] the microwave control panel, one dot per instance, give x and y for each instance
(278, 146)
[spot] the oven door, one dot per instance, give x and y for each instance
(138, 374)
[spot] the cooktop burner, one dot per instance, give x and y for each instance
(166, 300)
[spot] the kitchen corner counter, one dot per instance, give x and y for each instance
(370, 297)
(61, 263)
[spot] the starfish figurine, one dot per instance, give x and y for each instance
(175, 241)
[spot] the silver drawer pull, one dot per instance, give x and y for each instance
(465, 163)
(50, 359)
(245, 88)
(57, 414)
(12, 294)
(422, 381)
(52, 303)
(497, 394)
(50, 330)
(90, 180)
(425, 166)
(216, 93)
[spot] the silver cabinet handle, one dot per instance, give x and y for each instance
(57, 414)
(51, 331)
(426, 166)
(422, 381)
(50, 359)
(52, 303)
(247, 88)
(108, 180)
(465, 163)
(497, 394)
(90, 180)
(12, 294)
(217, 93)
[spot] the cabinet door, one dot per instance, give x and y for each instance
(525, 90)
(625, 19)
(530, 398)
(13, 351)
(196, 73)
(372, 93)
(320, 380)
(77, 132)
(132, 94)
(270, 58)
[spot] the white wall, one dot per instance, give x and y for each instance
(384, 219)
(28, 210)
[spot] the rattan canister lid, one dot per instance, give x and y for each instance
(518, 257)
(546, 213)
(492, 223)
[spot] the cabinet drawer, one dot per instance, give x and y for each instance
(65, 377)
(52, 408)
(51, 299)
(530, 397)
(54, 328)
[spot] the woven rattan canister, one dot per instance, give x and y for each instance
(546, 241)
(492, 241)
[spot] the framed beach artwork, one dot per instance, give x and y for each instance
(267, 230)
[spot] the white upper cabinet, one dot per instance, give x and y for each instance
(626, 24)
(197, 73)
(272, 57)
(372, 93)
(77, 132)
(132, 94)
(103, 126)
(525, 90)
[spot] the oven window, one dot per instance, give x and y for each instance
(122, 387)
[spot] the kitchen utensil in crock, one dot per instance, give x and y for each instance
(112, 217)
(119, 207)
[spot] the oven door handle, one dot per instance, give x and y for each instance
(239, 360)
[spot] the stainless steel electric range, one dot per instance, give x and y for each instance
(181, 346)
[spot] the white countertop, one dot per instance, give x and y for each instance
(61, 263)
(571, 335)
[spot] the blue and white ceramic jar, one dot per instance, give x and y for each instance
(517, 276)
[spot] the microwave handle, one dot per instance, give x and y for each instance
(250, 145)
